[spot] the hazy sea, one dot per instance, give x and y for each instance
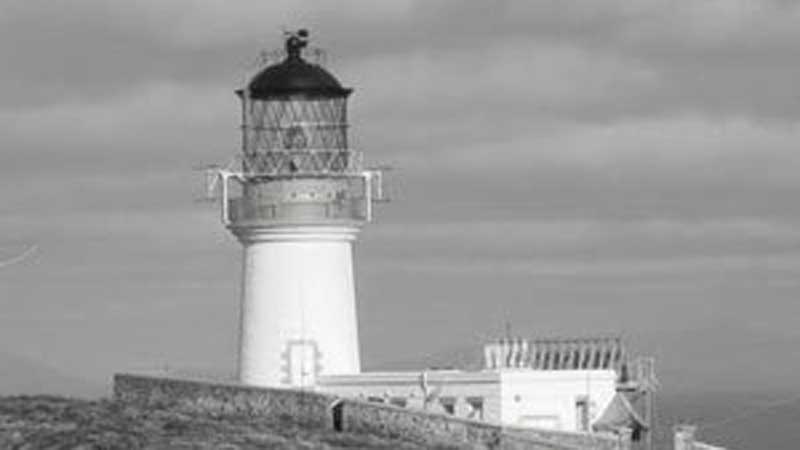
(757, 420)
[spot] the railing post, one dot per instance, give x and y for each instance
(226, 220)
(625, 436)
(684, 437)
(368, 193)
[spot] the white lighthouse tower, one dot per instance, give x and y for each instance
(296, 205)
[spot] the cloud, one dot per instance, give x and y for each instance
(678, 168)
(644, 249)
(638, 271)
(652, 57)
(91, 49)
(152, 126)
(513, 81)
(214, 22)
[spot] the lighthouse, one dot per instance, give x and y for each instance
(296, 196)
(296, 199)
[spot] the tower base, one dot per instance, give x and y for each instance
(298, 316)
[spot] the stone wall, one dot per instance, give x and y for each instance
(351, 415)
(430, 428)
(308, 408)
(578, 440)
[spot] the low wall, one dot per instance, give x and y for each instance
(580, 440)
(308, 408)
(429, 428)
(328, 411)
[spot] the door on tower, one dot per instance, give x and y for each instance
(302, 362)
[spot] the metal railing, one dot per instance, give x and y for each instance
(303, 163)
(355, 205)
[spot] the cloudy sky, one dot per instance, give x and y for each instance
(573, 167)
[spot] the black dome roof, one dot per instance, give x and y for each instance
(295, 76)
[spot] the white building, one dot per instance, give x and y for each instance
(565, 384)
(567, 400)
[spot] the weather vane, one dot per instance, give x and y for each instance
(295, 42)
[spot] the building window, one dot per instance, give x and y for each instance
(448, 405)
(475, 408)
(582, 413)
(399, 401)
(374, 399)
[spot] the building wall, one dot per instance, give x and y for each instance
(512, 397)
(548, 398)
(445, 388)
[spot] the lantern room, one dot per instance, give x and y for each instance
(297, 166)
(294, 116)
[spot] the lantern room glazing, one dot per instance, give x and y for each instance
(294, 118)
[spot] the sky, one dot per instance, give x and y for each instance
(567, 167)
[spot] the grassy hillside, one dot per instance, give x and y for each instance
(45, 422)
